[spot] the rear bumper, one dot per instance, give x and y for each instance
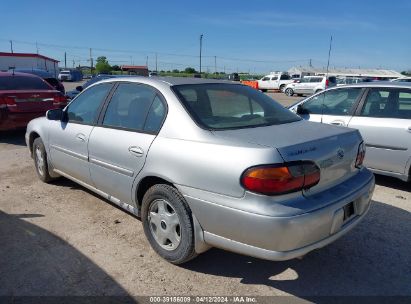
(285, 237)
(12, 121)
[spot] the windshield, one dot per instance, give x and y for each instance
(230, 106)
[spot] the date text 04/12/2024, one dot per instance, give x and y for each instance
(203, 299)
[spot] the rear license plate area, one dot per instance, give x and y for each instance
(349, 211)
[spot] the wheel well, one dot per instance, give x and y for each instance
(146, 183)
(33, 136)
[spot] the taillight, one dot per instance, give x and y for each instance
(7, 102)
(327, 82)
(59, 100)
(360, 155)
(281, 178)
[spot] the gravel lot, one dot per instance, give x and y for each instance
(61, 239)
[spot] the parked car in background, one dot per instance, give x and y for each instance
(402, 79)
(274, 82)
(309, 85)
(24, 97)
(349, 80)
(257, 179)
(152, 74)
(381, 111)
(233, 77)
(47, 76)
(70, 75)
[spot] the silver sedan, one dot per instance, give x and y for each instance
(208, 163)
(381, 111)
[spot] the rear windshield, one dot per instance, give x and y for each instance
(230, 106)
(23, 83)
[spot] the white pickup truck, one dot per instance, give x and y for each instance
(274, 82)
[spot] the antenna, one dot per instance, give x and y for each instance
(326, 75)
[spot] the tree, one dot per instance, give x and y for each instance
(175, 71)
(102, 65)
(190, 70)
(115, 68)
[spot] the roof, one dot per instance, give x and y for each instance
(383, 84)
(3, 74)
(170, 80)
(32, 55)
(348, 72)
(38, 72)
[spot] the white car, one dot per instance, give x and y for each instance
(274, 82)
(402, 79)
(381, 111)
(310, 85)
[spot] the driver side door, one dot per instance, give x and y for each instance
(68, 139)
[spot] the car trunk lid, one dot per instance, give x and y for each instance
(333, 149)
(31, 101)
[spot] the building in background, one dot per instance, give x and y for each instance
(342, 72)
(28, 61)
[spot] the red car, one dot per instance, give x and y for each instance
(24, 97)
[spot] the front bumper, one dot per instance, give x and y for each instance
(282, 237)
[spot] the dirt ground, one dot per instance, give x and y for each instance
(60, 239)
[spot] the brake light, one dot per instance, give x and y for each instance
(281, 178)
(7, 102)
(360, 155)
(59, 100)
(327, 82)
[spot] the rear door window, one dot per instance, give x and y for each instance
(316, 79)
(16, 83)
(129, 106)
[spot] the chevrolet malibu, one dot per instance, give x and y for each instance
(208, 163)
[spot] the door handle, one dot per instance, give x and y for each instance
(137, 151)
(337, 123)
(81, 137)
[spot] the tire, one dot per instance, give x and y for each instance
(168, 224)
(40, 161)
(318, 91)
(289, 92)
(300, 95)
(263, 90)
(282, 87)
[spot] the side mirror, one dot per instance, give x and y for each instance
(301, 110)
(55, 114)
(79, 88)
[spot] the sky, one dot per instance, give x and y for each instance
(245, 36)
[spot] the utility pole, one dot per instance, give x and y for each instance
(311, 64)
(201, 46)
(37, 48)
(329, 54)
(215, 64)
(11, 46)
(156, 63)
(147, 62)
(91, 63)
(74, 63)
(65, 60)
